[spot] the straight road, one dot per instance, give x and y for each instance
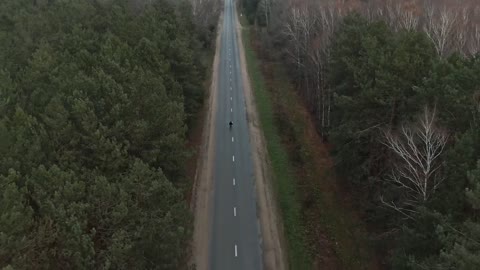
(235, 236)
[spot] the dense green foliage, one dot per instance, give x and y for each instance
(373, 72)
(94, 105)
(383, 79)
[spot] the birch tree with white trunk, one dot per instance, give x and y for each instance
(461, 31)
(439, 27)
(307, 21)
(392, 12)
(474, 40)
(293, 35)
(329, 20)
(408, 20)
(416, 168)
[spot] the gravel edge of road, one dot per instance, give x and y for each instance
(203, 183)
(274, 253)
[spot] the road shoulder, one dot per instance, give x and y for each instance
(274, 256)
(203, 187)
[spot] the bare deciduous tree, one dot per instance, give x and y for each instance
(474, 41)
(369, 11)
(292, 32)
(397, 15)
(309, 30)
(461, 31)
(438, 27)
(307, 23)
(416, 169)
(392, 14)
(329, 20)
(408, 20)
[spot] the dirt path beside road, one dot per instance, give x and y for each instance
(203, 187)
(273, 246)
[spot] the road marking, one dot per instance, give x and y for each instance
(232, 139)
(234, 211)
(236, 254)
(230, 98)
(233, 158)
(231, 88)
(234, 181)
(231, 110)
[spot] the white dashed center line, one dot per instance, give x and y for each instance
(234, 181)
(234, 211)
(232, 139)
(231, 110)
(236, 254)
(233, 158)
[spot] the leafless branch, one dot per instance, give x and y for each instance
(408, 20)
(293, 34)
(417, 163)
(474, 40)
(407, 213)
(439, 26)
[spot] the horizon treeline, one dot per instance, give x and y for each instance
(96, 98)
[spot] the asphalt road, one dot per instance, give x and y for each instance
(235, 235)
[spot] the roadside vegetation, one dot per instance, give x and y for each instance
(283, 171)
(392, 88)
(96, 99)
(302, 172)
